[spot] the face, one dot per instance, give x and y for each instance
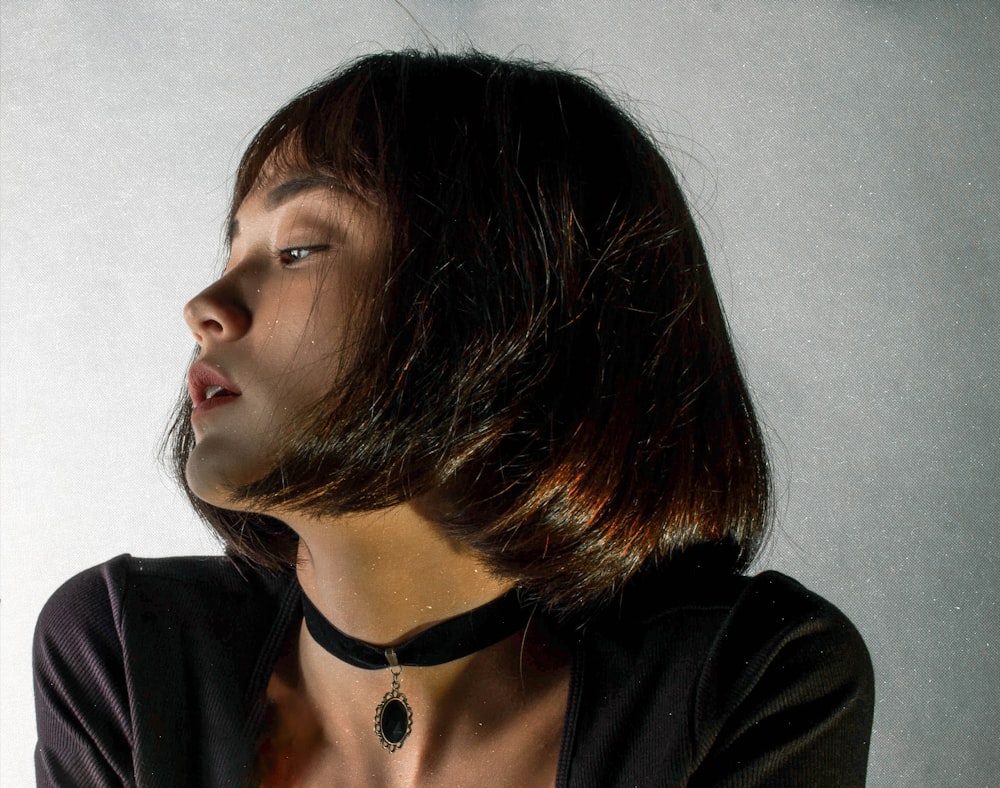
(271, 329)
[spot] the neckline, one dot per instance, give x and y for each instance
(285, 626)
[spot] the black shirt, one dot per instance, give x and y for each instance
(152, 672)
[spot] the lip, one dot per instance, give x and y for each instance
(201, 377)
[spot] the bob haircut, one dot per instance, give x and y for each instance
(543, 364)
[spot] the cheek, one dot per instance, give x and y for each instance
(317, 345)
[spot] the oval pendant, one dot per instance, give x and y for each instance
(393, 720)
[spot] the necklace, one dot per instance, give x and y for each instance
(444, 642)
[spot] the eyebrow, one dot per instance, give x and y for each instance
(286, 190)
(293, 187)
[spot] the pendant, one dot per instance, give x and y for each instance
(393, 716)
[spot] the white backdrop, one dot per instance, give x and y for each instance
(843, 157)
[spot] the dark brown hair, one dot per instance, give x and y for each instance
(545, 366)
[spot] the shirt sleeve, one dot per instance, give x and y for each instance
(81, 693)
(787, 695)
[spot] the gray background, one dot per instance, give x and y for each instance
(843, 157)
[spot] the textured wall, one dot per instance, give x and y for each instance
(843, 155)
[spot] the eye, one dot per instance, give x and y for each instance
(296, 254)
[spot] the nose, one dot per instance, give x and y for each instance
(217, 313)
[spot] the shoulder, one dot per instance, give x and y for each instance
(119, 644)
(97, 598)
(730, 679)
(120, 607)
(712, 615)
(765, 614)
(770, 634)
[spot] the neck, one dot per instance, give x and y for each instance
(385, 576)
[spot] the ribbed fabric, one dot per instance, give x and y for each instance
(153, 672)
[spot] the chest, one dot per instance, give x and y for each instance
(519, 748)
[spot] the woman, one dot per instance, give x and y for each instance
(468, 419)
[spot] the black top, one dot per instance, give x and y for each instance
(153, 673)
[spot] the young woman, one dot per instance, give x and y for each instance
(468, 419)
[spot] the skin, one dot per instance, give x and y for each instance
(274, 325)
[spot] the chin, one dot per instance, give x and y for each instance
(213, 476)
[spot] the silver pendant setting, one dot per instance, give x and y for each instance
(393, 716)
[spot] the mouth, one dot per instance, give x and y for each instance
(209, 388)
(217, 391)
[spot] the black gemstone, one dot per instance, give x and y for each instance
(394, 720)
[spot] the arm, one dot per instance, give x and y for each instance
(786, 698)
(81, 694)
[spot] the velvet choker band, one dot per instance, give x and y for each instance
(446, 641)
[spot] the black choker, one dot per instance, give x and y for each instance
(444, 642)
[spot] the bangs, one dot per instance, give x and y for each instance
(327, 133)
